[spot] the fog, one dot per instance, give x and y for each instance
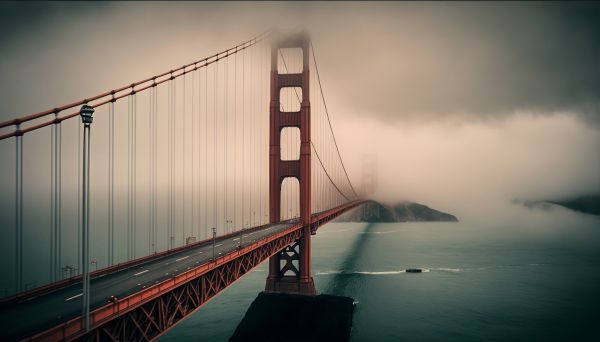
(476, 169)
(466, 106)
(462, 102)
(393, 61)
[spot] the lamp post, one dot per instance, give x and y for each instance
(214, 231)
(86, 112)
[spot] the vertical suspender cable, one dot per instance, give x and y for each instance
(168, 164)
(53, 202)
(262, 113)
(150, 170)
(174, 162)
(58, 198)
(129, 134)
(259, 115)
(260, 133)
(226, 113)
(206, 153)
(170, 168)
(183, 157)
(215, 109)
(111, 181)
(199, 135)
(234, 221)
(154, 166)
(329, 121)
(78, 198)
(243, 169)
(170, 150)
(134, 177)
(19, 212)
(193, 154)
(252, 123)
(153, 242)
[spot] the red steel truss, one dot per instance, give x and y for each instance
(148, 314)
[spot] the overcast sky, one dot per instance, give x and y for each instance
(458, 100)
(465, 106)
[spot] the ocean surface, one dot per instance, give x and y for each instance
(531, 276)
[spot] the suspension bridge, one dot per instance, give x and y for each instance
(131, 209)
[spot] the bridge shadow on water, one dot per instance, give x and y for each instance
(341, 280)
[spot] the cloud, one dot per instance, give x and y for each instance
(396, 61)
(475, 167)
(474, 61)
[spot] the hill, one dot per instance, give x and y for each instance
(373, 211)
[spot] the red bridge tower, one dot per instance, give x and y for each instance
(284, 276)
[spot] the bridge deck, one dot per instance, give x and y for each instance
(20, 319)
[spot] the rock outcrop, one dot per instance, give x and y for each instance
(402, 212)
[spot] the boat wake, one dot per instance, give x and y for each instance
(325, 231)
(378, 233)
(423, 270)
(446, 269)
(380, 273)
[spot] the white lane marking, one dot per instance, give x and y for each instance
(144, 271)
(75, 296)
(219, 245)
(236, 239)
(185, 257)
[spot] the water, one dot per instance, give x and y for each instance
(533, 276)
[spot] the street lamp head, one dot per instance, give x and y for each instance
(86, 113)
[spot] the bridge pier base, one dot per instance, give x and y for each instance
(289, 270)
(291, 284)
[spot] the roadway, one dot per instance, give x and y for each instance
(23, 319)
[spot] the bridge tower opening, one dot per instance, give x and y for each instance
(284, 276)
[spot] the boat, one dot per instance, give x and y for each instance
(414, 270)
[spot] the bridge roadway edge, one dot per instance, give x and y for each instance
(126, 307)
(44, 289)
